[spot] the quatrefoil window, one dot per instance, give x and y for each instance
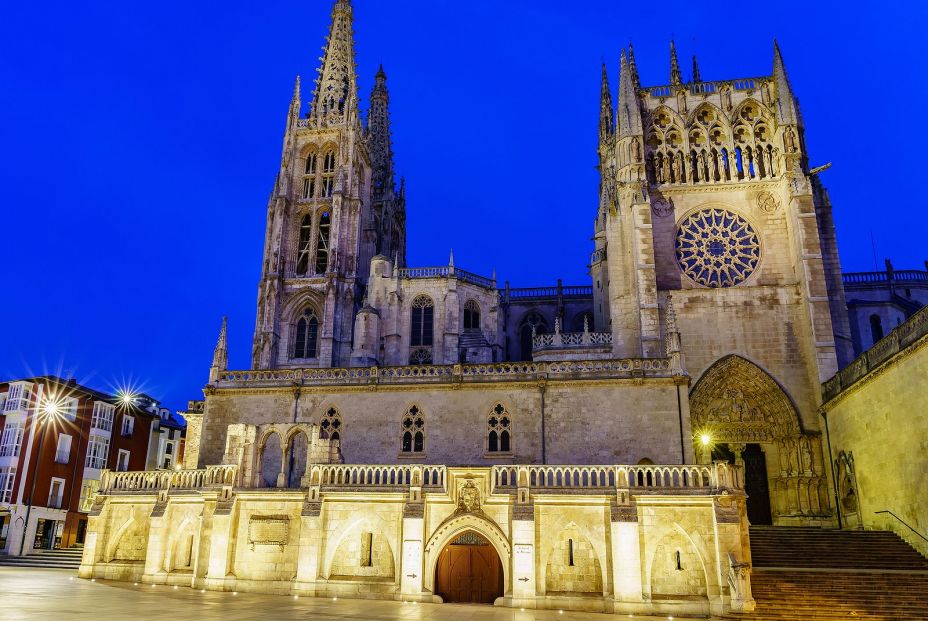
(717, 248)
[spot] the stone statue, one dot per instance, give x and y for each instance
(789, 140)
(636, 150)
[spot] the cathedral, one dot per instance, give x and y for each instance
(424, 434)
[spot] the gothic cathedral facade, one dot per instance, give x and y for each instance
(599, 447)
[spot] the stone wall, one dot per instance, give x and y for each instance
(879, 441)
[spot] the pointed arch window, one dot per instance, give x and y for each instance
(309, 176)
(499, 430)
(303, 247)
(322, 243)
(306, 341)
(413, 430)
(420, 338)
(471, 315)
(328, 174)
(876, 328)
(533, 325)
(330, 427)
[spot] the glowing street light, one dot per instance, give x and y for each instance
(706, 439)
(126, 398)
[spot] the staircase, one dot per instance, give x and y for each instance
(812, 574)
(68, 558)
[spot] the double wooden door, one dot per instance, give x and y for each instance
(469, 574)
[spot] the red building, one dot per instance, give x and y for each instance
(56, 437)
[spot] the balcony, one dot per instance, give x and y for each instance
(571, 345)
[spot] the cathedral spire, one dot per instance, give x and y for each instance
(379, 138)
(605, 107)
(633, 67)
(675, 76)
(220, 354)
(787, 110)
(696, 77)
(335, 100)
(628, 111)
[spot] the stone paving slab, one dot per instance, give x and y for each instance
(42, 594)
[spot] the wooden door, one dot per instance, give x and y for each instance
(469, 573)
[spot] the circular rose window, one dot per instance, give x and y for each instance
(717, 248)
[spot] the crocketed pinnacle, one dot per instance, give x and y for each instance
(606, 111)
(335, 100)
(379, 137)
(221, 353)
(675, 76)
(633, 67)
(696, 77)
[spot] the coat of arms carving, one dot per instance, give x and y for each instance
(469, 498)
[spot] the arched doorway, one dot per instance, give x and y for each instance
(751, 421)
(469, 571)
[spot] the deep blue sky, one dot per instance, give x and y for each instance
(141, 141)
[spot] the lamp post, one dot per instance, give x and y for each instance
(49, 411)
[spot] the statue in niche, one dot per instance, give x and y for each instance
(789, 140)
(680, 177)
(665, 178)
(636, 150)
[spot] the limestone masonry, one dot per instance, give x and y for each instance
(421, 433)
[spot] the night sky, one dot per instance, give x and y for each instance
(141, 141)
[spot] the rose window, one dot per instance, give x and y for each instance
(717, 248)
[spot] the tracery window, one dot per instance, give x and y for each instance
(322, 243)
(876, 328)
(420, 337)
(471, 315)
(309, 176)
(413, 430)
(328, 174)
(303, 247)
(330, 427)
(306, 341)
(499, 430)
(717, 248)
(532, 325)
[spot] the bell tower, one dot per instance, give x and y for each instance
(321, 228)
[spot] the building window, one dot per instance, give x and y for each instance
(471, 315)
(17, 398)
(876, 328)
(55, 493)
(367, 539)
(499, 430)
(128, 425)
(7, 477)
(413, 430)
(309, 176)
(533, 325)
(63, 450)
(322, 243)
(331, 425)
(302, 258)
(306, 341)
(122, 461)
(102, 418)
(12, 439)
(420, 338)
(98, 449)
(69, 409)
(328, 174)
(570, 552)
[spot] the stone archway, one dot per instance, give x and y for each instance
(457, 525)
(469, 570)
(743, 410)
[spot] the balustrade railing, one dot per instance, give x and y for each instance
(571, 339)
(706, 88)
(901, 337)
(157, 480)
(446, 271)
(897, 276)
(353, 476)
(607, 478)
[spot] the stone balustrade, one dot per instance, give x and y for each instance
(600, 479)
(571, 340)
(915, 328)
(464, 373)
(378, 476)
(158, 480)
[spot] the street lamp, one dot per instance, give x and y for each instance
(49, 411)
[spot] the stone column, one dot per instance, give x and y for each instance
(222, 540)
(412, 560)
(282, 475)
(155, 550)
(309, 563)
(626, 552)
(524, 576)
(96, 519)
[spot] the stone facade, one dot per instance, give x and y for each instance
(867, 404)
(394, 413)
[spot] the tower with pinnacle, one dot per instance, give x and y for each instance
(333, 207)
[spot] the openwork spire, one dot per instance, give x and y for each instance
(627, 111)
(675, 76)
(633, 67)
(696, 77)
(335, 100)
(606, 112)
(379, 138)
(787, 110)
